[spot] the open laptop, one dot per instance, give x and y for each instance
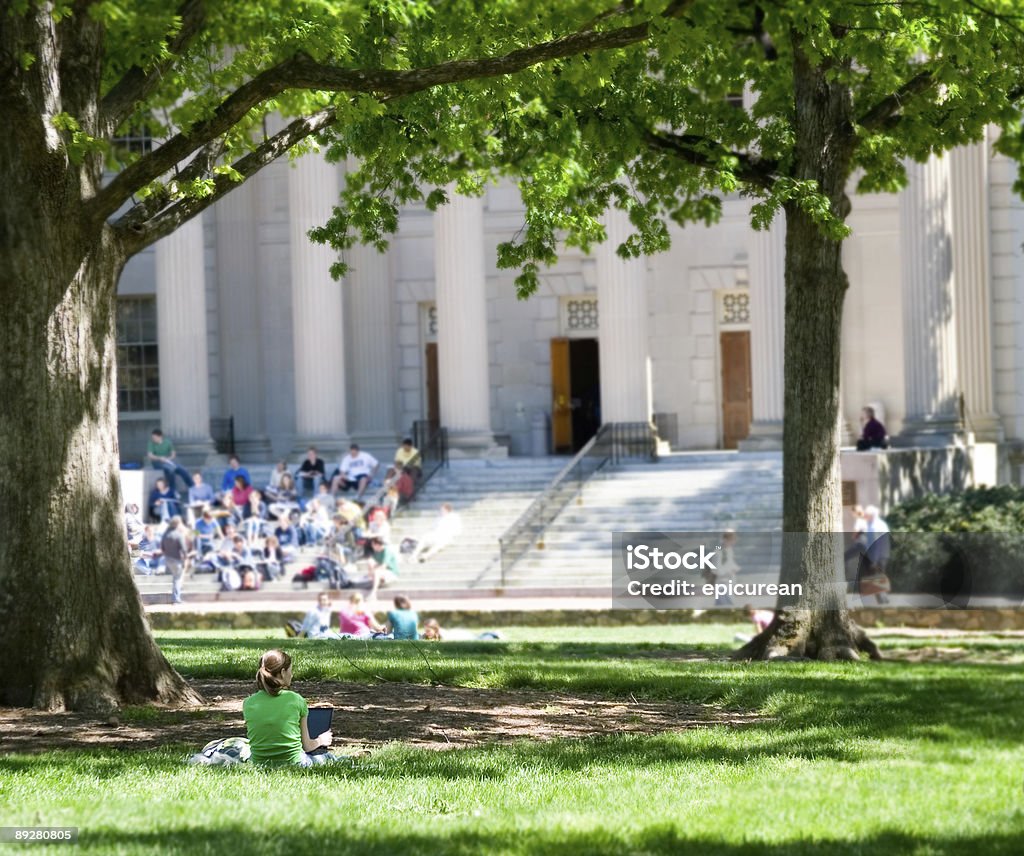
(318, 720)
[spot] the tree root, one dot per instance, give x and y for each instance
(808, 635)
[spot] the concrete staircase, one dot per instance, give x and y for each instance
(683, 492)
(690, 491)
(489, 496)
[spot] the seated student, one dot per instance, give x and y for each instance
(280, 471)
(133, 525)
(407, 458)
(379, 525)
(327, 500)
(287, 537)
(314, 523)
(284, 499)
(338, 542)
(432, 632)
(200, 496)
(356, 620)
(230, 512)
(311, 472)
(241, 492)
(241, 554)
(208, 533)
(391, 500)
(163, 502)
(271, 559)
(255, 516)
(317, 623)
(234, 470)
(160, 452)
(382, 565)
(221, 557)
(150, 558)
(356, 470)
(405, 486)
(403, 622)
(275, 718)
(873, 434)
(353, 513)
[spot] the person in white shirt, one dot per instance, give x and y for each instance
(356, 470)
(446, 530)
(317, 623)
(877, 546)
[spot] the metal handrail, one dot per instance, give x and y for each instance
(431, 440)
(529, 527)
(611, 443)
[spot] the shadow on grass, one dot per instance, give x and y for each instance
(658, 839)
(492, 762)
(938, 701)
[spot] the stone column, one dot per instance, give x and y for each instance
(318, 320)
(767, 273)
(622, 339)
(972, 274)
(372, 341)
(929, 307)
(238, 271)
(181, 333)
(462, 354)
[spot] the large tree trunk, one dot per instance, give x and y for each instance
(72, 628)
(817, 624)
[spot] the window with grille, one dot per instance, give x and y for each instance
(137, 140)
(138, 368)
(579, 316)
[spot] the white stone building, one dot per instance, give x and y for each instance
(236, 315)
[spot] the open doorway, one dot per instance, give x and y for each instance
(575, 393)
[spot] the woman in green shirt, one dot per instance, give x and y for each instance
(275, 718)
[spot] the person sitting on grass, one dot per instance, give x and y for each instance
(403, 621)
(432, 632)
(317, 623)
(275, 718)
(357, 621)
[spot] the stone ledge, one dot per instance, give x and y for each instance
(968, 619)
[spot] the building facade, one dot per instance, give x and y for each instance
(236, 316)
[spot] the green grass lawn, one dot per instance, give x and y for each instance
(869, 758)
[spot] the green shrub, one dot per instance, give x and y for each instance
(961, 544)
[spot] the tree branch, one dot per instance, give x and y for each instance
(694, 150)
(137, 84)
(146, 223)
(302, 72)
(882, 114)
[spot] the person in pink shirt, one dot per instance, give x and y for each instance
(241, 492)
(356, 620)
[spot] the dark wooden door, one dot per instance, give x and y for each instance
(561, 396)
(737, 405)
(433, 385)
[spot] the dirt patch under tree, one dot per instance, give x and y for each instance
(366, 716)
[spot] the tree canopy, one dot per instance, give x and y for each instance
(590, 103)
(661, 129)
